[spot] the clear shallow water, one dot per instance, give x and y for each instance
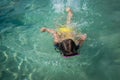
(27, 54)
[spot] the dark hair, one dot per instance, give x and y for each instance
(68, 47)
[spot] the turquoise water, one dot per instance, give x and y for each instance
(28, 54)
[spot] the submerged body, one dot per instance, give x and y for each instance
(64, 39)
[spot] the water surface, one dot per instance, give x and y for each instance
(28, 54)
